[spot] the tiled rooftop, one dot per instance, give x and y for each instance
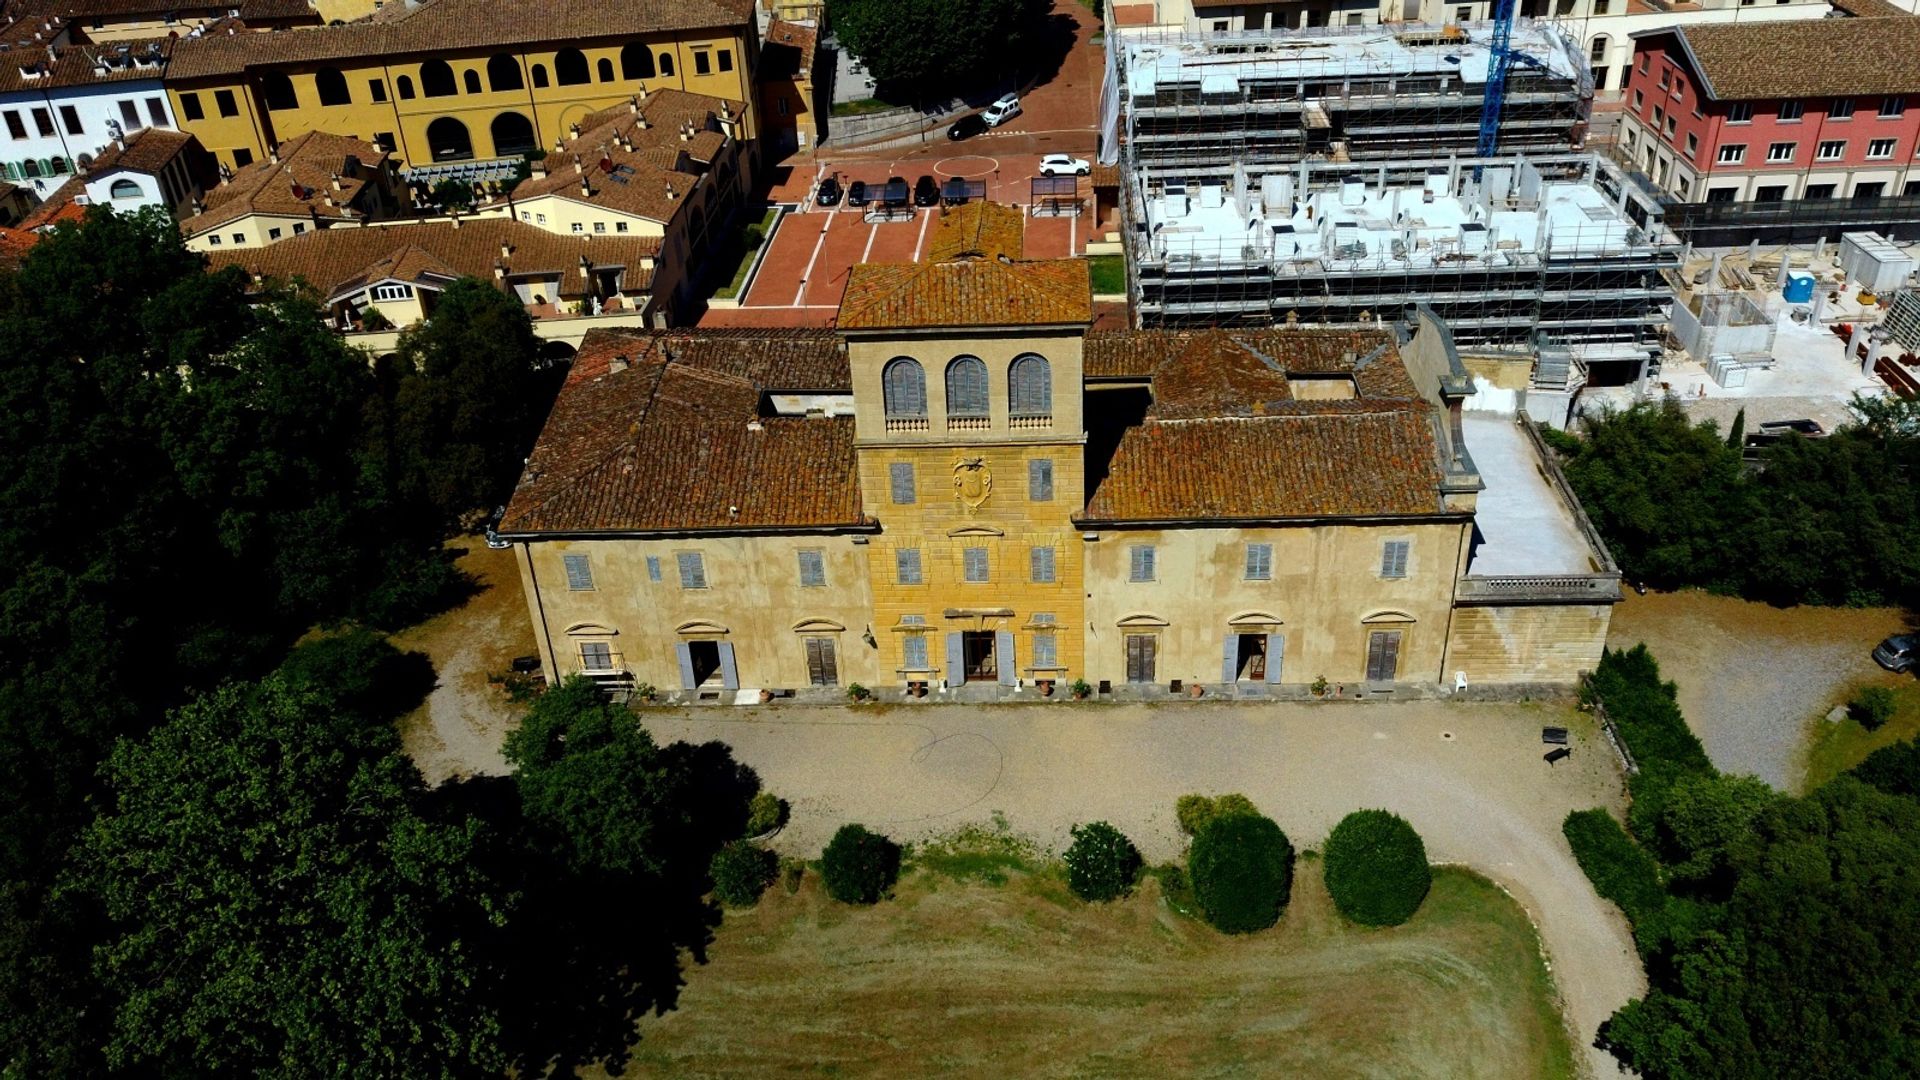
(986, 292)
(977, 230)
(1805, 58)
(299, 184)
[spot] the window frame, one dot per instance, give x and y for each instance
(1143, 563)
(1258, 564)
(578, 568)
(1043, 565)
(812, 568)
(908, 567)
(1040, 480)
(976, 566)
(1394, 557)
(692, 566)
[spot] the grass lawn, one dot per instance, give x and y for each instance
(860, 107)
(958, 975)
(1834, 748)
(753, 237)
(1109, 273)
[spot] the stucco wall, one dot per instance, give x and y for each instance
(1536, 644)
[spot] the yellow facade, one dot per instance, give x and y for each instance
(497, 95)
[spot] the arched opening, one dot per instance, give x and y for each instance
(404, 84)
(332, 87)
(1030, 386)
(277, 91)
(471, 79)
(1598, 54)
(58, 165)
(512, 134)
(29, 169)
(539, 76)
(503, 73)
(606, 69)
(666, 64)
(436, 79)
(636, 62)
(448, 140)
(570, 67)
(124, 189)
(904, 388)
(967, 387)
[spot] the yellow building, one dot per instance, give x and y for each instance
(312, 182)
(963, 491)
(453, 80)
(789, 101)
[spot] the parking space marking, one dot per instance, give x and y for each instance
(920, 241)
(993, 165)
(873, 230)
(801, 293)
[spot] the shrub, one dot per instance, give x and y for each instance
(741, 872)
(1194, 812)
(1377, 868)
(1621, 871)
(1101, 862)
(1233, 803)
(1242, 869)
(1872, 706)
(1893, 769)
(859, 866)
(791, 871)
(765, 813)
(1647, 716)
(1176, 888)
(857, 693)
(1080, 689)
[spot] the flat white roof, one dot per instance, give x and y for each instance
(1526, 527)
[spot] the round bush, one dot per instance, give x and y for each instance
(765, 813)
(1242, 869)
(741, 872)
(1101, 863)
(1376, 868)
(1193, 812)
(859, 866)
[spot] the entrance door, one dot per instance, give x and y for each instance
(704, 656)
(977, 655)
(1140, 656)
(1383, 656)
(1253, 658)
(821, 669)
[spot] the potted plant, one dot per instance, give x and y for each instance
(857, 693)
(1080, 690)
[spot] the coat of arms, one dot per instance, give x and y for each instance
(972, 482)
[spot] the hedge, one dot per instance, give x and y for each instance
(859, 866)
(1242, 868)
(1376, 868)
(1647, 716)
(1621, 871)
(1101, 863)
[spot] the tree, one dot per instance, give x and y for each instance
(915, 45)
(1242, 869)
(1702, 817)
(1893, 769)
(1808, 971)
(1376, 868)
(741, 872)
(859, 866)
(468, 401)
(453, 194)
(280, 903)
(1101, 862)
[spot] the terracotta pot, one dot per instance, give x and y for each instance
(766, 696)
(1196, 690)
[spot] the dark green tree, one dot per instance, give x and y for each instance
(918, 45)
(859, 866)
(1376, 868)
(1702, 817)
(1102, 863)
(1242, 869)
(1893, 769)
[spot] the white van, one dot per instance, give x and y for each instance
(1002, 110)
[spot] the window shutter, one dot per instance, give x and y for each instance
(967, 387)
(1045, 654)
(915, 653)
(1142, 562)
(1030, 387)
(1259, 562)
(1040, 479)
(976, 564)
(1276, 655)
(1041, 559)
(579, 572)
(653, 568)
(693, 572)
(907, 562)
(1003, 658)
(901, 473)
(1393, 560)
(729, 673)
(813, 570)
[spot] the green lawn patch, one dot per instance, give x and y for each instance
(1109, 273)
(745, 246)
(860, 107)
(1833, 748)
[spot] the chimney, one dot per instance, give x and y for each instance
(273, 153)
(633, 106)
(573, 130)
(686, 131)
(336, 181)
(456, 218)
(506, 249)
(755, 425)
(641, 122)
(643, 92)
(538, 168)
(671, 194)
(586, 190)
(328, 199)
(499, 270)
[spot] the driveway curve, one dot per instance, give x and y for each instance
(1470, 777)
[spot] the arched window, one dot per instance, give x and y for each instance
(1599, 52)
(967, 387)
(471, 79)
(666, 64)
(124, 189)
(332, 86)
(904, 387)
(277, 89)
(606, 69)
(1030, 386)
(636, 62)
(570, 67)
(512, 134)
(436, 79)
(58, 165)
(404, 84)
(503, 73)
(448, 140)
(29, 169)
(539, 76)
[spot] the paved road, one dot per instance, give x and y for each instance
(1481, 797)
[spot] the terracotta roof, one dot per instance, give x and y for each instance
(988, 292)
(14, 244)
(664, 446)
(264, 11)
(28, 67)
(332, 260)
(1871, 9)
(790, 49)
(977, 230)
(440, 26)
(148, 150)
(58, 207)
(1227, 439)
(790, 359)
(630, 168)
(1803, 58)
(300, 184)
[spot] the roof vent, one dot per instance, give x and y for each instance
(617, 362)
(755, 425)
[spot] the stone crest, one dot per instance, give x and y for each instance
(972, 482)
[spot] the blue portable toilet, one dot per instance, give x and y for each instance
(1799, 288)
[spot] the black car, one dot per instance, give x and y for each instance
(1774, 431)
(925, 192)
(829, 192)
(967, 126)
(1898, 653)
(857, 194)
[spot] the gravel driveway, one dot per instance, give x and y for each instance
(1468, 776)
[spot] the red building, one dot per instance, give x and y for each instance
(1763, 112)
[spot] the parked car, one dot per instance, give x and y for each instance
(857, 194)
(1775, 430)
(966, 127)
(829, 192)
(1898, 653)
(1002, 110)
(925, 191)
(1064, 165)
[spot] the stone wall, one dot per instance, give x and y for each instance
(1538, 643)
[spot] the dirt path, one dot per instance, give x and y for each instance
(458, 731)
(1754, 678)
(1468, 776)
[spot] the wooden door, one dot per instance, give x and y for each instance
(821, 668)
(1140, 656)
(1383, 656)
